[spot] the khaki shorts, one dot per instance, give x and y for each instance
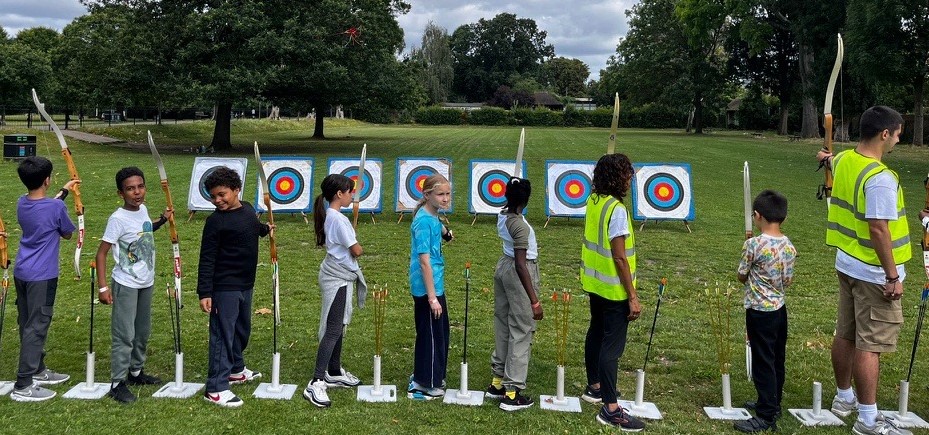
(866, 317)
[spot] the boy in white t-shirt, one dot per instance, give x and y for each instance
(129, 233)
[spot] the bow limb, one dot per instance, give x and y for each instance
(75, 188)
(611, 146)
(359, 186)
(827, 115)
(518, 168)
(4, 264)
(747, 197)
(172, 225)
(275, 281)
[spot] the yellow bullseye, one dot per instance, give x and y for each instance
(574, 189)
(663, 192)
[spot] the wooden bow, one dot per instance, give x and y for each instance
(359, 186)
(175, 245)
(825, 190)
(611, 146)
(275, 280)
(72, 170)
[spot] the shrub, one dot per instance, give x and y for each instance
(489, 116)
(435, 115)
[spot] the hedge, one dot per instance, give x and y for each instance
(646, 116)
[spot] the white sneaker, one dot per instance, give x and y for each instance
(50, 377)
(843, 408)
(226, 399)
(244, 376)
(32, 393)
(882, 426)
(346, 379)
(315, 392)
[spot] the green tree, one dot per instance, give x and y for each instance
(22, 68)
(887, 46)
(42, 39)
(566, 76)
(488, 53)
(435, 57)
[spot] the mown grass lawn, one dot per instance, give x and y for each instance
(682, 370)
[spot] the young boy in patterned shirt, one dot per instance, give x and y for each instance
(766, 269)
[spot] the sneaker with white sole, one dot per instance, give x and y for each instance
(415, 391)
(315, 392)
(343, 380)
(843, 408)
(882, 426)
(592, 395)
(226, 399)
(50, 377)
(244, 376)
(32, 393)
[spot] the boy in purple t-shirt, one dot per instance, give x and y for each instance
(44, 222)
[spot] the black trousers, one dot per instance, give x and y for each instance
(430, 354)
(230, 329)
(767, 331)
(605, 343)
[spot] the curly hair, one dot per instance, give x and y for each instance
(125, 173)
(223, 176)
(613, 175)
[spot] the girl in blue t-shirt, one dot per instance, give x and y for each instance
(427, 285)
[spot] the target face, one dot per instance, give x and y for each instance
(290, 183)
(488, 185)
(568, 184)
(411, 173)
(370, 197)
(198, 197)
(663, 191)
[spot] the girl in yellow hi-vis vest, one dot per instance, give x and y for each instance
(608, 267)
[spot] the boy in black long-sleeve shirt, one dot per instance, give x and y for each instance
(226, 277)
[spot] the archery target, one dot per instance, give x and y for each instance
(411, 173)
(488, 185)
(370, 197)
(568, 184)
(663, 191)
(290, 183)
(198, 198)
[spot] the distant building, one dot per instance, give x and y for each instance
(584, 103)
(732, 113)
(467, 107)
(548, 101)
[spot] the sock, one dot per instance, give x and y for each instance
(511, 394)
(497, 382)
(867, 414)
(135, 372)
(847, 395)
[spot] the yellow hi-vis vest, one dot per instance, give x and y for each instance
(598, 271)
(847, 228)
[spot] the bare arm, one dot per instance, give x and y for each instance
(880, 238)
(105, 297)
(429, 282)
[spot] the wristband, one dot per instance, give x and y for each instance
(892, 280)
(104, 289)
(537, 304)
(64, 193)
(926, 223)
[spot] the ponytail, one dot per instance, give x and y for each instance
(331, 185)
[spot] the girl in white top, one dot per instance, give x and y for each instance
(338, 272)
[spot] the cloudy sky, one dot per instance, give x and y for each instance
(585, 29)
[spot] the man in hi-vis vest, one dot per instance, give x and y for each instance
(867, 224)
(608, 265)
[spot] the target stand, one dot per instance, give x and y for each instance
(488, 186)
(568, 184)
(662, 191)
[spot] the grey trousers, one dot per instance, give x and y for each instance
(513, 323)
(34, 304)
(131, 327)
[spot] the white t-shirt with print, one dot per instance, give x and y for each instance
(133, 240)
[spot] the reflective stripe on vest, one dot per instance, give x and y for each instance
(598, 270)
(847, 228)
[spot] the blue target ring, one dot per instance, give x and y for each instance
(492, 188)
(366, 190)
(285, 185)
(663, 192)
(572, 188)
(414, 181)
(202, 183)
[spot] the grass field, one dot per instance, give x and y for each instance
(683, 374)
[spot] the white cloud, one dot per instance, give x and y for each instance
(16, 15)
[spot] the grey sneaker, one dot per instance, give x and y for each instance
(50, 377)
(843, 408)
(344, 379)
(32, 393)
(882, 426)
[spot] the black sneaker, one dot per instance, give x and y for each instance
(495, 393)
(591, 395)
(143, 379)
(621, 419)
(752, 406)
(121, 393)
(754, 425)
(516, 403)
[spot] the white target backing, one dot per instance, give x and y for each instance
(488, 185)
(290, 182)
(370, 198)
(567, 186)
(411, 172)
(662, 191)
(198, 198)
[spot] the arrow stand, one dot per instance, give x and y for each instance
(559, 402)
(726, 412)
(640, 408)
(89, 389)
(817, 416)
(177, 389)
(902, 417)
(378, 392)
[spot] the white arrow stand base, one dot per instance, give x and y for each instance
(726, 412)
(178, 389)
(817, 416)
(559, 402)
(6, 387)
(89, 390)
(640, 408)
(464, 396)
(377, 392)
(902, 417)
(275, 390)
